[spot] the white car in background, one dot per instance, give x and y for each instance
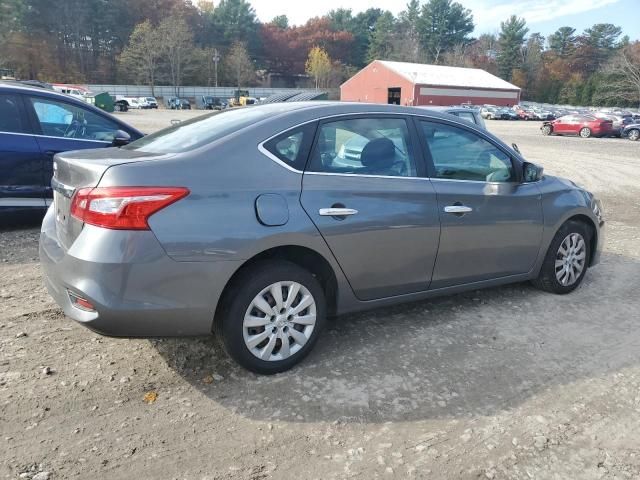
(151, 102)
(134, 102)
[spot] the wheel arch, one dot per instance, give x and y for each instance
(593, 241)
(304, 257)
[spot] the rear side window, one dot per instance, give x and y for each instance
(11, 118)
(292, 147)
(364, 146)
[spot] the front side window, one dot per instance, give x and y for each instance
(11, 119)
(61, 119)
(459, 154)
(365, 146)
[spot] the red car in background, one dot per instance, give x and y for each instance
(526, 114)
(584, 125)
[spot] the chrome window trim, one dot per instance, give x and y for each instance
(335, 174)
(436, 179)
(271, 156)
(51, 136)
(264, 151)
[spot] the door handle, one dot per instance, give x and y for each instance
(458, 209)
(337, 212)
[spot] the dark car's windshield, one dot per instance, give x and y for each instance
(202, 130)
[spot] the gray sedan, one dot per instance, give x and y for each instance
(255, 225)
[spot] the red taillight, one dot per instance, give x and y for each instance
(122, 208)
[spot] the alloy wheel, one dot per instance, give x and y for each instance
(634, 135)
(585, 132)
(571, 259)
(279, 321)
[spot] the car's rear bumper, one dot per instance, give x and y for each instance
(136, 289)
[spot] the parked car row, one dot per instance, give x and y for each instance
(124, 103)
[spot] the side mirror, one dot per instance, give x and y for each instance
(531, 172)
(121, 138)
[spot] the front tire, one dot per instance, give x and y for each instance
(633, 135)
(567, 259)
(273, 317)
(547, 129)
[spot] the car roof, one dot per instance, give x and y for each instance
(450, 109)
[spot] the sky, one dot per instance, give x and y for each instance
(544, 16)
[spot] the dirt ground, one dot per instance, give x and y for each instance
(505, 383)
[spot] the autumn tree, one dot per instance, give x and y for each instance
(240, 68)
(318, 65)
(140, 58)
(510, 41)
(175, 45)
(624, 75)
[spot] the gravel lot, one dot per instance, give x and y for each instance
(505, 383)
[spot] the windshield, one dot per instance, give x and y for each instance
(204, 129)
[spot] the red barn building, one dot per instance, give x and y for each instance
(419, 84)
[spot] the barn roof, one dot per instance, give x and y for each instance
(423, 74)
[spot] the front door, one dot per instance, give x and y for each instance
(365, 192)
(63, 126)
(491, 224)
(20, 160)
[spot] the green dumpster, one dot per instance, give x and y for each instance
(102, 100)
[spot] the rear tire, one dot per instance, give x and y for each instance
(570, 249)
(254, 337)
(546, 129)
(585, 132)
(633, 135)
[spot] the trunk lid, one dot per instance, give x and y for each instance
(79, 169)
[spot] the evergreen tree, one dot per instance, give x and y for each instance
(512, 33)
(444, 24)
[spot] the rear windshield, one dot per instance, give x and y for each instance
(203, 130)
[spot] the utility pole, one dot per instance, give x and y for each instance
(216, 59)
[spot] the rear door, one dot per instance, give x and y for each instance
(365, 190)
(20, 160)
(64, 126)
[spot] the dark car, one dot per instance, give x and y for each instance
(465, 112)
(250, 223)
(211, 103)
(179, 104)
(35, 124)
(632, 132)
